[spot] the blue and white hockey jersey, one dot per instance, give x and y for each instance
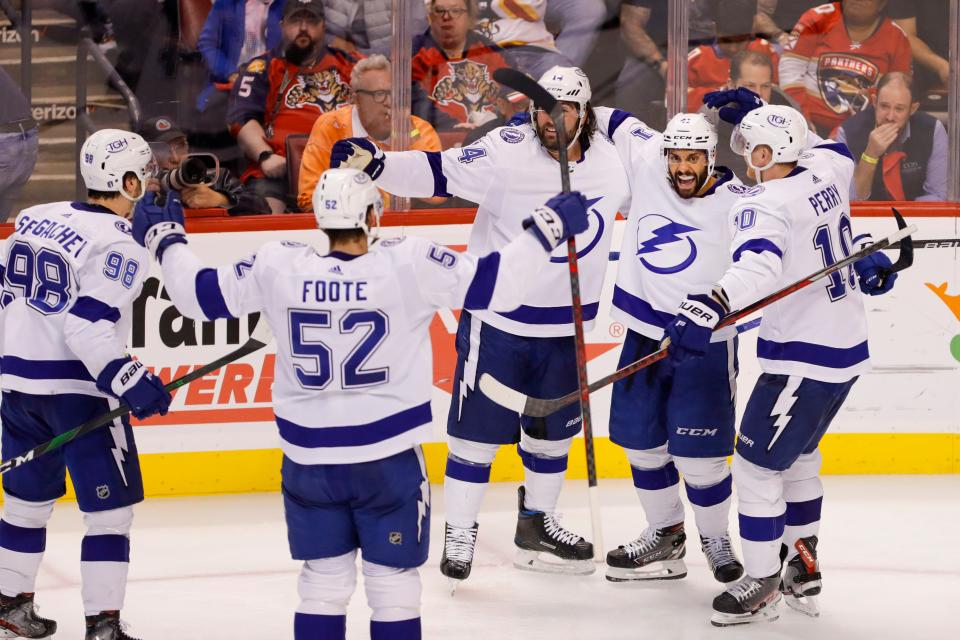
(672, 246)
(70, 273)
(508, 173)
(785, 230)
(353, 377)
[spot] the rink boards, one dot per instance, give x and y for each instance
(902, 417)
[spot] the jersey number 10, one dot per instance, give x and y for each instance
(822, 240)
(313, 359)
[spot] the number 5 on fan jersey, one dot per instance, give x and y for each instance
(314, 358)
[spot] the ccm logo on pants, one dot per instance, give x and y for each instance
(694, 431)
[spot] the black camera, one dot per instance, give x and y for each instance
(197, 169)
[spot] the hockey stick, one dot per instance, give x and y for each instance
(539, 407)
(542, 99)
(259, 338)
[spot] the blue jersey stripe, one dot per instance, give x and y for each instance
(617, 118)
(481, 288)
(640, 309)
(836, 147)
(757, 245)
(439, 180)
(815, 354)
(46, 369)
(92, 310)
(550, 315)
(210, 296)
(355, 435)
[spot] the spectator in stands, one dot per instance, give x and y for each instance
(279, 94)
(708, 66)
(775, 19)
(838, 55)
(641, 85)
(519, 28)
(578, 23)
(452, 70)
(170, 148)
(98, 21)
(927, 25)
(901, 153)
(364, 27)
(19, 142)
(367, 117)
(236, 32)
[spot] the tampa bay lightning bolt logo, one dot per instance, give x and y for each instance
(598, 234)
(657, 234)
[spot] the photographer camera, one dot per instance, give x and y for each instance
(202, 183)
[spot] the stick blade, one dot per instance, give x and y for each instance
(502, 394)
(519, 81)
(261, 332)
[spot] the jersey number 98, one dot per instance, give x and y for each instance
(42, 277)
(313, 359)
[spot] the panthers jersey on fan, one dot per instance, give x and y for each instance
(514, 22)
(70, 272)
(671, 245)
(353, 377)
(509, 173)
(785, 230)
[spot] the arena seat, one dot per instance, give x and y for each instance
(296, 144)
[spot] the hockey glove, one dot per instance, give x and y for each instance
(563, 216)
(689, 331)
(128, 380)
(156, 227)
(874, 274)
(744, 100)
(358, 153)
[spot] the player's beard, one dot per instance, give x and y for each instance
(699, 180)
(554, 144)
(297, 54)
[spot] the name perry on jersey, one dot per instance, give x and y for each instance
(823, 201)
(61, 233)
(334, 291)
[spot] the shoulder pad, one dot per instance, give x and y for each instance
(745, 191)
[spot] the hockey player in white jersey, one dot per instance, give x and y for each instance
(353, 379)
(674, 419)
(531, 348)
(70, 272)
(811, 348)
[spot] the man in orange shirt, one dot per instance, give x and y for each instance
(837, 53)
(368, 117)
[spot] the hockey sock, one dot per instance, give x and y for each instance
(711, 507)
(21, 550)
(659, 492)
(105, 559)
(307, 626)
(400, 630)
(803, 492)
(464, 486)
(802, 521)
(543, 479)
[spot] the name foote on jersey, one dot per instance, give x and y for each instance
(334, 290)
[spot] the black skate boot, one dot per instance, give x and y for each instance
(801, 579)
(721, 558)
(748, 600)
(19, 618)
(544, 545)
(656, 555)
(459, 544)
(106, 625)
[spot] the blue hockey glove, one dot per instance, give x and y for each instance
(156, 227)
(358, 153)
(745, 101)
(873, 274)
(563, 216)
(128, 380)
(690, 329)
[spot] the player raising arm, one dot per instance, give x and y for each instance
(70, 273)
(812, 346)
(353, 378)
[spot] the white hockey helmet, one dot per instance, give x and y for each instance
(782, 128)
(691, 131)
(342, 199)
(108, 155)
(566, 84)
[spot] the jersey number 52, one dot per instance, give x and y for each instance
(314, 359)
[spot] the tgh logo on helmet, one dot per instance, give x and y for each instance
(777, 120)
(117, 146)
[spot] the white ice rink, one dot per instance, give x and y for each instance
(217, 568)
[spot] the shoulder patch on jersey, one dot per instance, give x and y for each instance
(257, 66)
(290, 244)
(511, 136)
(744, 190)
(641, 132)
(391, 242)
(123, 227)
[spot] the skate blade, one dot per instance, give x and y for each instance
(452, 584)
(807, 605)
(767, 613)
(543, 562)
(663, 570)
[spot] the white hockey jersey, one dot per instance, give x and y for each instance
(509, 173)
(353, 377)
(785, 230)
(70, 273)
(671, 246)
(514, 22)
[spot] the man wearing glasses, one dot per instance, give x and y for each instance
(282, 93)
(367, 117)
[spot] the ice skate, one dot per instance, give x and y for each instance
(19, 618)
(656, 555)
(801, 582)
(722, 560)
(106, 625)
(544, 545)
(459, 543)
(748, 600)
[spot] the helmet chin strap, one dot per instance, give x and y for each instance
(757, 171)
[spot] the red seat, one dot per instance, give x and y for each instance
(296, 144)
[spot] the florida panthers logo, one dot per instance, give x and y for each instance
(324, 90)
(845, 81)
(468, 85)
